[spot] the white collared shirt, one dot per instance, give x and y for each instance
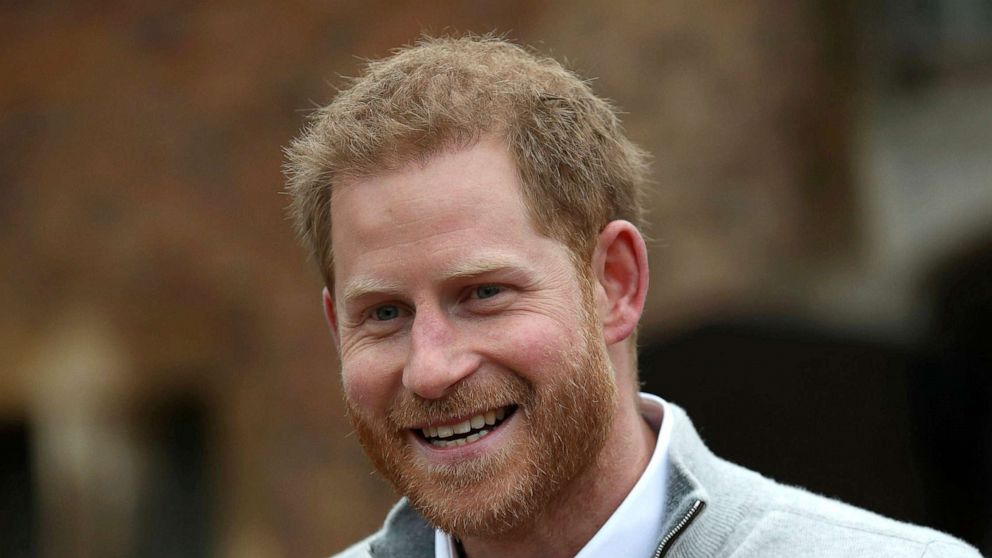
(635, 527)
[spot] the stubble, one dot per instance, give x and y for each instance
(565, 426)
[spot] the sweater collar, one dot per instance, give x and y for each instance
(691, 469)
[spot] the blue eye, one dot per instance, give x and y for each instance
(488, 291)
(386, 312)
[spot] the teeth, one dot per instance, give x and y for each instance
(436, 433)
(459, 442)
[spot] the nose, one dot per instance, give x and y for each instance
(438, 359)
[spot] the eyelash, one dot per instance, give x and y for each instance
(499, 290)
(374, 313)
(473, 294)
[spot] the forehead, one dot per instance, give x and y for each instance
(467, 182)
(453, 204)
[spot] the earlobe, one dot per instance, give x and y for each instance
(332, 321)
(621, 269)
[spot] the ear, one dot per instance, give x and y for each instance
(620, 268)
(332, 320)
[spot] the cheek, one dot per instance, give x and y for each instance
(530, 343)
(370, 381)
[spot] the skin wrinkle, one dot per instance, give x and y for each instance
(558, 344)
(491, 264)
(552, 468)
(407, 410)
(527, 298)
(537, 344)
(444, 94)
(414, 241)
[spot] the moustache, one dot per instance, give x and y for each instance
(410, 411)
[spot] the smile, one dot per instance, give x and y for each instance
(467, 431)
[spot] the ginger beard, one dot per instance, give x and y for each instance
(565, 425)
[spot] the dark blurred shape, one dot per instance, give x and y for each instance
(17, 497)
(927, 40)
(808, 155)
(952, 397)
(175, 516)
(802, 405)
(847, 416)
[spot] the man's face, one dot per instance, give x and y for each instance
(454, 314)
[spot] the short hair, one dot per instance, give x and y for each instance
(578, 170)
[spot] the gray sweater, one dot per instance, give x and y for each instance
(716, 508)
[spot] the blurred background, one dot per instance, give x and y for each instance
(821, 264)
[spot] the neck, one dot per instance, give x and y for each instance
(587, 502)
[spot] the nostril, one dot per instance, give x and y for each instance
(431, 371)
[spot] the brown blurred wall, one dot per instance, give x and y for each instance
(146, 256)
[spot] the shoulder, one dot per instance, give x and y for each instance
(790, 521)
(747, 514)
(404, 534)
(779, 520)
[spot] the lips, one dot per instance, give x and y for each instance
(466, 431)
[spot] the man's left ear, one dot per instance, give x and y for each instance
(620, 268)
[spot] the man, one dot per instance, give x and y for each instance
(475, 211)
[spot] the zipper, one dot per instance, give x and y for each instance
(666, 542)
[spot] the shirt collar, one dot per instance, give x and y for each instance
(635, 527)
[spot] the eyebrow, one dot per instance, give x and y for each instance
(482, 266)
(363, 286)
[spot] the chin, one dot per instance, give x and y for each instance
(508, 478)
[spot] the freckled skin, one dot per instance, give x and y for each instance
(420, 334)
(398, 227)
